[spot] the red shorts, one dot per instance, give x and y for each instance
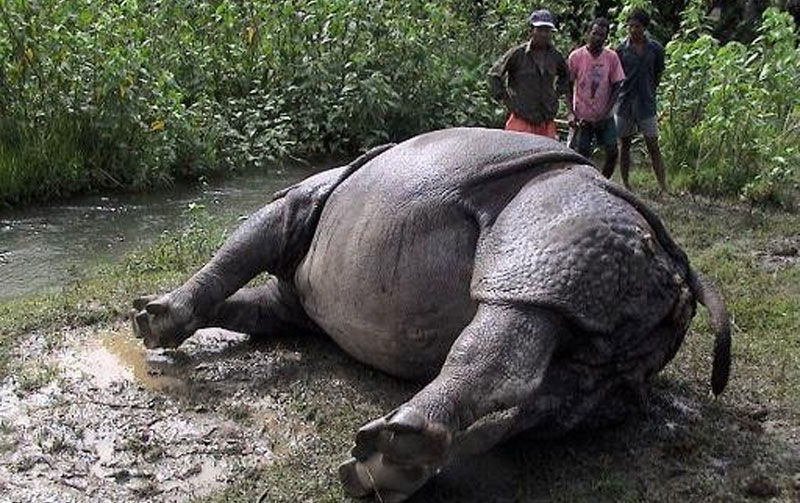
(546, 128)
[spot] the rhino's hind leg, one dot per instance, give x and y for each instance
(264, 310)
(493, 368)
(267, 309)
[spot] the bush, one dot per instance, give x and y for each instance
(109, 94)
(730, 113)
(106, 94)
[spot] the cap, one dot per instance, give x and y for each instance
(542, 18)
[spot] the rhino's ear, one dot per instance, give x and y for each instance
(157, 307)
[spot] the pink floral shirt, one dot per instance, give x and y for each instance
(592, 78)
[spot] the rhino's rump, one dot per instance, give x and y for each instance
(564, 242)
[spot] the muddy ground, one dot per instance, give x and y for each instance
(112, 422)
(118, 423)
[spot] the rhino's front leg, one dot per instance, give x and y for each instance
(493, 368)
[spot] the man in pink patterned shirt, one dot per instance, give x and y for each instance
(597, 76)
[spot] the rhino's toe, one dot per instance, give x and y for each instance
(353, 484)
(404, 436)
(410, 438)
(140, 324)
(140, 303)
(391, 482)
(162, 322)
(367, 439)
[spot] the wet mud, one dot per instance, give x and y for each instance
(118, 423)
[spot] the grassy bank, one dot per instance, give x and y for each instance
(687, 445)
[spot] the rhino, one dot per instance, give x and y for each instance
(525, 291)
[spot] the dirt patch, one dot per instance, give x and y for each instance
(118, 423)
(780, 254)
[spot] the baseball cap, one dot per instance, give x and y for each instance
(542, 18)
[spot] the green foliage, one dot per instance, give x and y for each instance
(130, 94)
(621, 15)
(135, 94)
(182, 251)
(731, 123)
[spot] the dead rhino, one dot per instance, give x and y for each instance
(528, 292)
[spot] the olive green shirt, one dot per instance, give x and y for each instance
(530, 89)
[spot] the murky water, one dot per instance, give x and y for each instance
(117, 356)
(47, 247)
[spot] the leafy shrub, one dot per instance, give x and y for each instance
(730, 114)
(130, 94)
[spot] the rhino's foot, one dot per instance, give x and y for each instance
(395, 455)
(163, 322)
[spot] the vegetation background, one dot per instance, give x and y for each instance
(128, 94)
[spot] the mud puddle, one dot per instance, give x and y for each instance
(118, 423)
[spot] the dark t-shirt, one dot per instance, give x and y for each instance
(637, 97)
(533, 88)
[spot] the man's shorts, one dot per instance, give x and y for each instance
(627, 126)
(582, 137)
(517, 123)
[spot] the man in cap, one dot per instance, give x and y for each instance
(530, 78)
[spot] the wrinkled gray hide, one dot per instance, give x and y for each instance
(527, 290)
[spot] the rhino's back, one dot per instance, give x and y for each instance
(388, 272)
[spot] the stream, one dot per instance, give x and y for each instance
(45, 247)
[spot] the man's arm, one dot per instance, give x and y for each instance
(617, 77)
(497, 76)
(564, 86)
(612, 100)
(659, 63)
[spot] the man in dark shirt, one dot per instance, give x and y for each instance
(643, 62)
(529, 79)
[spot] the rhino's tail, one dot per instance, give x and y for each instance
(708, 295)
(702, 288)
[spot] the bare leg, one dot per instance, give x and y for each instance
(658, 163)
(625, 159)
(494, 367)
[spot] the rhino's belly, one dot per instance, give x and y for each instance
(390, 284)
